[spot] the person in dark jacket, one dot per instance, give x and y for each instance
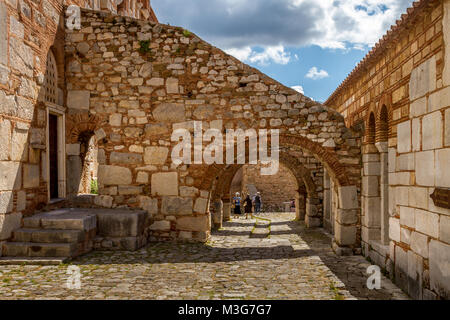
(257, 202)
(248, 206)
(237, 204)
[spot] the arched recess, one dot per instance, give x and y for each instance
(345, 179)
(84, 151)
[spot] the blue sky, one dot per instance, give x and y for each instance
(306, 44)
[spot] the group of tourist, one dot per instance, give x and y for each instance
(250, 205)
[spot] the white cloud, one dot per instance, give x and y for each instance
(298, 89)
(315, 74)
(275, 54)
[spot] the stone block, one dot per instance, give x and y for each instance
(423, 79)
(404, 137)
(21, 201)
(419, 244)
(125, 158)
(405, 162)
(416, 138)
(6, 202)
(345, 235)
(394, 229)
(156, 155)
(115, 119)
(418, 107)
(201, 205)
(130, 190)
(111, 223)
(9, 223)
(19, 145)
(440, 268)
(114, 175)
(21, 57)
(372, 168)
(418, 197)
(156, 129)
(172, 86)
(405, 236)
(402, 196)
(176, 206)
(165, 184)
(104, 201)
(188, 191)
(432, 131)
(3, 34)
(148, 204)
(439, 100)
(30, 176)
(407, 217)
(415, 271)
(444, 229)
(142, 177)
(345, 216)
(425, 171)
(443, 168)
(427, 222)
(171, 112)
(447, 128)
(73, 149)
(370, 186)
(348, 198)
(5, 139)
(201, 223)
(78, 99)
(160, 226)
(372, 213)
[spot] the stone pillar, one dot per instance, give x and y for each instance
(226, 210)
(384, 191)
(312, 218)
(346, 220)
(300, 206)
(217, 215)
(327, 222)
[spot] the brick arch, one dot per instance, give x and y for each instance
(77, 124)
(384, 118)
(325, 155)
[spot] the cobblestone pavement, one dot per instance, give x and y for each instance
(247, 259)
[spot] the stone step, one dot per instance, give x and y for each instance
(48, 235)
(42, 261)
(62, 219)
(32, 249)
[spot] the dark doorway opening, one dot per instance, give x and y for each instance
(53, 155)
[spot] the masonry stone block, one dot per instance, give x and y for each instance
(21, 57)
(345, 216)
(427, 222)
(130, 190)
(155, 155)
(370, 186)
(3, 34)
(439, 100)
(394, 229)
(446, 22)
(165, 184)
(78, 99)
(423, 79)
(415, 271)
(148, 204)
(6, 202)
(162, 225)
(405, 235)
(372, 168)
(19, 146)
(142, 177)
(21, 201)
(201, 205)
(115, 119)
(172, 112)
(73, 149)
(447, 128)
(114, 175)
(419, 244)
(5, 139)
(416, 134)
(30, 176)
(348, 197)
(424, 164)
(444, 229)
(443, 168)
(125, 158)
(200, 223)
(9, 223)
(372, 211)
(440, 268)
(345, 235)
(404, 137)
(418, 197)
(432, 131)
(418, 108)
(176, 206)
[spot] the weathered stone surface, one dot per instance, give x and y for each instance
(5, 139)
(423, 79)
(155, 155)
(125, 158)
(148, 204)
(345, 235)
(30, 176)
(112, 175)
(165, 184)
(21, 57)
(419, 244)
(3, 34)
(404, 136)
(9, 223)
(172, 85)
(73, 149)
(78, 99)
(6, 202)
(424, 166)
(204, 112)
(169, 112)
(176, 206)
(201, 223)
(130, 190)
(348, 198)
(200, 205)
(440, 267)
(160, 226)
(432, 131)
(120, 224)
(427, 222)
(156, 129)
(19, 146)
(442, 168)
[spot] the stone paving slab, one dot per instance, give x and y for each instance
(295, 263)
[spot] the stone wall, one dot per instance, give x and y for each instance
(29, 30)
(402, 93)
(132, 82)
